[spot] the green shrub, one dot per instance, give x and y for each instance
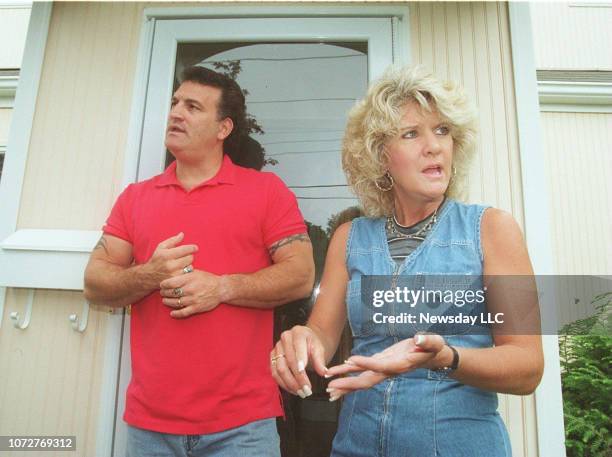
(585, 348)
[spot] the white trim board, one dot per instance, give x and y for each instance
(8, 89)
(52, 240)
(31, 258)
(16, 153)
(238, 10)
(23, 116)
(575, 97)
(549, 402)
(15, 5)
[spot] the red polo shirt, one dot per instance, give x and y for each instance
(209, 372)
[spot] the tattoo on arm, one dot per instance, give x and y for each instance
(285, 241)
(102, 244)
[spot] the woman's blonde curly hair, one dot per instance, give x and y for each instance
(375, 120)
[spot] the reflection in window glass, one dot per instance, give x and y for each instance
(298, 95)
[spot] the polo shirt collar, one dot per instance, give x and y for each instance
(225, 175)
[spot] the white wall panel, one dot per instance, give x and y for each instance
(578, 148)
(13, 29)
(572, 36)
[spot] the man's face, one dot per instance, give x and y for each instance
(193, 125)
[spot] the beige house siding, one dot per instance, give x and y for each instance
(580, 32)
(75, 169)
(578, 155)
(470, 43)
(75, 160)
(51, 374)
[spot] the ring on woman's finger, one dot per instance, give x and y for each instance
(273, 362)
(276, 357)
(179, 302)
(178, 292)
(188, 269)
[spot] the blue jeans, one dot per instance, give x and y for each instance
(258, 438)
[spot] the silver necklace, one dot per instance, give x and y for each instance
(392, 225)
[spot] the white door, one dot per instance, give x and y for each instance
(301, 76)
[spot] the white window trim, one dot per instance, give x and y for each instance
(590, 5)
(8, 89)
(548, 398)
(575, 97)
(15, 5)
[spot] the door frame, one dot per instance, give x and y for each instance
(111, 431)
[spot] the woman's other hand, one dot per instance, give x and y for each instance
(422, 351)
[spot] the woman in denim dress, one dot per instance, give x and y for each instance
(412, 390)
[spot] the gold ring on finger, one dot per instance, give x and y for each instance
(178, 292)
(179, 302)
(276, 357)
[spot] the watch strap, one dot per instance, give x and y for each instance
(455, 363)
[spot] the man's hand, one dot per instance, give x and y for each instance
(112, 279)
(192, 293)
(169, 259)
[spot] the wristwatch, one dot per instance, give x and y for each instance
(454, 364)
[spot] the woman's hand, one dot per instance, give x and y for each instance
(422, 351)
(297, 349)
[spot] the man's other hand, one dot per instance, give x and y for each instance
(192, 293)
(169, 259)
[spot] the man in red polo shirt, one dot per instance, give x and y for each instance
(204, 252)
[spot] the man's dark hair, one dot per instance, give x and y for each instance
(231, 102)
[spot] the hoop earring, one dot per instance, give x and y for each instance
(391, 183)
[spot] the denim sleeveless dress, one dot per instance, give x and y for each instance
(422, 413)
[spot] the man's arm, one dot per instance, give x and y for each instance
(112, 280)
(290, 278)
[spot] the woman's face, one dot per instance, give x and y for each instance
(420, 156)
